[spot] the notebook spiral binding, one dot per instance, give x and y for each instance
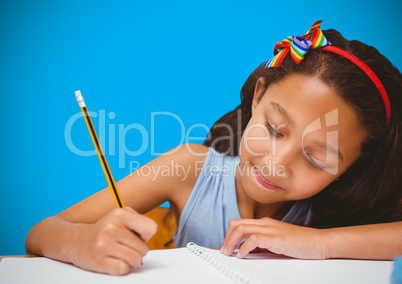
(225, 268)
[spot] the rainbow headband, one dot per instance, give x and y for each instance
(298, 46)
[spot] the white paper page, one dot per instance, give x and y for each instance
(160, 266)
(181, 266)
(272, 269)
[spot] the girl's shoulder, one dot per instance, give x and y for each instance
(186, 157)
(185, 163)
(190, 159)
(189, 151)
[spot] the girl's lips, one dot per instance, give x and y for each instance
(263, 181)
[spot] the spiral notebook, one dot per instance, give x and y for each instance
(195, 264)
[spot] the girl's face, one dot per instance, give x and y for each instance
(300, 138)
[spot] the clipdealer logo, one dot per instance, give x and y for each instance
(117, 138)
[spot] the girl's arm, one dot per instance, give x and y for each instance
(377, 241)
(95, 235)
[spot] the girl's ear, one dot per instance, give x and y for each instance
(258, 92)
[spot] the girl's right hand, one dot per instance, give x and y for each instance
(114, 244)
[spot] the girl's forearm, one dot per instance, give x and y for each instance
(51, 237)
(377, 241)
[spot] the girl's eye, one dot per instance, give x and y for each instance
(272, 130)
(313, 162)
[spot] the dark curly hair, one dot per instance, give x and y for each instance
(370, 191)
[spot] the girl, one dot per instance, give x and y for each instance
(308, 165)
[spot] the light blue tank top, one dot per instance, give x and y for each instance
(213, 204)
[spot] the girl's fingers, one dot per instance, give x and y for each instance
(133, 241)
(238, 222)
(130, 229)
(253, 243)
(142, 225)
(240, 232)
(130, 256)
(113, 266)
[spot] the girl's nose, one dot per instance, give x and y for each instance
(283, 156)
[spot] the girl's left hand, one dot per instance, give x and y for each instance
(276, 236)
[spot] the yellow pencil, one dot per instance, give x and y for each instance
(102, 158)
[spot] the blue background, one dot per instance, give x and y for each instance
(130, 59)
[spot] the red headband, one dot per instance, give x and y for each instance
(370, 73)
(314, 38)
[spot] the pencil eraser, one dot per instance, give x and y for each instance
(80, 98)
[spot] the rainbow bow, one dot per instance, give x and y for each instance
(298, 46)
